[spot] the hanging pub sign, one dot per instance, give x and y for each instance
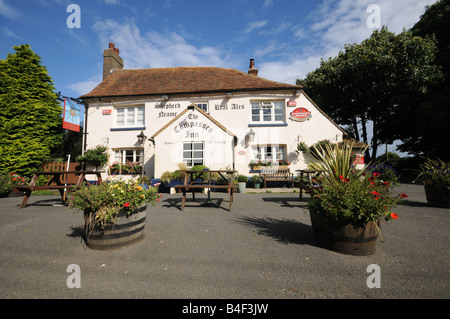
(71, 116)
(300, 114)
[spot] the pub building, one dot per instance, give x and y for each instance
(217, 117)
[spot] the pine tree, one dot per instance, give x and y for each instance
(30, 115)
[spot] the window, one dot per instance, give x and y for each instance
(267, 111)
(269, 152)
(124, 156)
(133, 116)
(193, 153)
(202, 105)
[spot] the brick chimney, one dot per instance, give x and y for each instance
(252, 70)
(111, 60)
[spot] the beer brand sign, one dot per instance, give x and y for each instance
(300, 114)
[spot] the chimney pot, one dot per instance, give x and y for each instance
(252, 70)
(116, 50)
(111, 45)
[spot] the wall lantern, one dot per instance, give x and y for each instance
(251, 135)
(141, 137)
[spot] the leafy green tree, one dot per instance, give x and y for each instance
(30, 115)
(375, 81)
(429, 133)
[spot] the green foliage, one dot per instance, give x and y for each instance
(376, 81)
(242, 178)
(5, 184)
(30, 115)
(256, 179)
(103, 202)
(346, 194)
(96, 156)
(435, 174)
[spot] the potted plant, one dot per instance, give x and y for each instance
(435, 175)
(96, 156)
(115, 212)
(256, 180)
(348, 206)
(242, 180)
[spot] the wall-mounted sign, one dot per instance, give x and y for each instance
(300, 114)
(106, 112)
(292, 103)
(359, 159)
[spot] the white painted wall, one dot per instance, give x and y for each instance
(233, 112)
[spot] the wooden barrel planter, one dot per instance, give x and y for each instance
(343, 237)
(128, 229)
(437, 197)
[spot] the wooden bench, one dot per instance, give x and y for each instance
(276, 175)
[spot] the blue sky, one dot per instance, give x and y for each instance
(287, 38)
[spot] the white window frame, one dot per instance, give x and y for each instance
(268, 112)
(133, 116)
(120, 155)
(203, 105)
(266, 152)
(193, 159)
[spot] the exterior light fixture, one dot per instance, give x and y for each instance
(165, 97)
(251, 135)
(141, 137)
(229, 94)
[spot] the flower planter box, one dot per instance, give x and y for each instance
(438, 197)
(127, 230)
(345, 238)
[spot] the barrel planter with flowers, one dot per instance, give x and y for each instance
(347, 208)
(435, 175)
(115, 213)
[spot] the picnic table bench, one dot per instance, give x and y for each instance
(281, 173)
(306, 180)
(194, 180)
(55, 182)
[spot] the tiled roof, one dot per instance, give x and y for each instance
(178, 80)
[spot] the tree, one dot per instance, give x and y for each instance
(30, 115)
(374, 82)
(429, 134)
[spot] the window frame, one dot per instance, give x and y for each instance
(267, 108)
(191, 161)
(123, 156)
(202, 103)
(136, 109)
(262, 149)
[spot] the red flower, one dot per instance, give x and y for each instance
(157, 199)
(376, 174)
(403, 195)
(126, 205)
(341, 177)
(376, 193)
(394, 216)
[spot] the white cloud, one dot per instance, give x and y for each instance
(155, 49)
(338, 23)
(255, 25)
(85, 87)
(8, 11)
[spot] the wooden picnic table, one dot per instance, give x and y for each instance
(306, 182)
(195, 179)
(57, 181)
